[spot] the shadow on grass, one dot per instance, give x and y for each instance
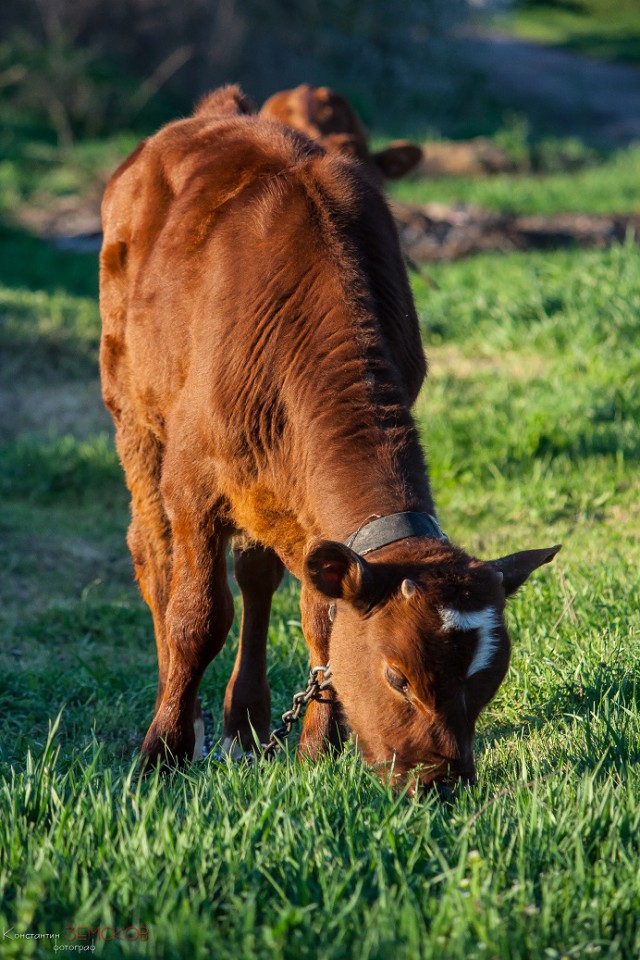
(62, 470)
(28, 262)
(599, 703)
(607, 438)
(49, 321)
(623, 48)
(50, 357)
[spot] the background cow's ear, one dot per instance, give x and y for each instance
(337, 572)
(518, 566)
(398, 159)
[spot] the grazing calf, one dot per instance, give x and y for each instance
(325, 115)
(260, 355)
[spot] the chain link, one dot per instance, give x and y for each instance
(301, 700)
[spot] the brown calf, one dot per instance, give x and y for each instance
(260, 355)
(325, 115)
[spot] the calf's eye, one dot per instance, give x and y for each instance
(396, 680)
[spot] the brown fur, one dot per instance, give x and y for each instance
(260, 356)
(327, 116)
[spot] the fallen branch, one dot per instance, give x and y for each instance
(437, 232)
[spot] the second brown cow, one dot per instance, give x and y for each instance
(324, 115)
(260, 356)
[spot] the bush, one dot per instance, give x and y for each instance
(84, 67)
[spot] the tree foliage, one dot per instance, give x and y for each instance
(87, 65)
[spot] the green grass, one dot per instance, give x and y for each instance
(606, 29)
(610, 186)
(530, 419)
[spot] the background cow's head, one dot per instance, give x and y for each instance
(418, 647)
(325, 115)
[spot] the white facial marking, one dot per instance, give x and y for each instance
(485, 622)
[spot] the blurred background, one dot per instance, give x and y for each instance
(551, 82)
(88, 67)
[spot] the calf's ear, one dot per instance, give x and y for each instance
(338, 572)
(517, 567)
(398, 159)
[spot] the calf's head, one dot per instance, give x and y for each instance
(418, 647)
(327, 116)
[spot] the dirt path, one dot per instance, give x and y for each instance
(569, 93)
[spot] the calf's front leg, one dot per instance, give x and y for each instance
(247, 702)
(324, 729)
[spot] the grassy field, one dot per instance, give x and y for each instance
(606, 29)
(530, 419)
(607, 186)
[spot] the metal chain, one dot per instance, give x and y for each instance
(301, 700)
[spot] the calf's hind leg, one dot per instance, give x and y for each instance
(198, 617)
(247, 702)
(149, 535)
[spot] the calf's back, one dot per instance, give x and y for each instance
(252, 291)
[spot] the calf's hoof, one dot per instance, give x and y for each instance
(242, 738)
(168, 746)
(233, 748)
